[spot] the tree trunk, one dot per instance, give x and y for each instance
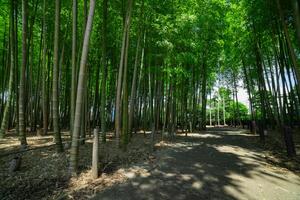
(296, 14)
(121, 71)
(22, 133)
(80, 90)
(104, 70)
(203, 108)
(261, 94)
(218, 107)
(289, 43)
(74, 65)
(210, 109)
(237, 102)
(55, 104)
(224, 111)
(133, 86)
(253, 128)
(4, 124)
(44, 73)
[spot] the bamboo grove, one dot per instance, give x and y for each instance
(144, 65)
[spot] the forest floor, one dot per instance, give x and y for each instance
(44, 174)
(221, 163)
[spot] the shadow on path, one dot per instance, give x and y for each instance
(216, 164)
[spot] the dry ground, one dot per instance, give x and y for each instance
(45, 174)
(218, 164)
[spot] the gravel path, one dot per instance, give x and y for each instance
(217, 164)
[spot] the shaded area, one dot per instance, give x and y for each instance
(44, 174)
(217, 164)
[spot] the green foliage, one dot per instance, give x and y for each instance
(234, 109)
(179, 40)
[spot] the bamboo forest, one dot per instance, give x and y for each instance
(150, 99)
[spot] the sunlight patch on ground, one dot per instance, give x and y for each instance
(200, 135)
(170, 175)
(145, 186)
(197, 185)
(210, 178)
(130, 175)
(85, 180)
(187, 177)
(198, 165)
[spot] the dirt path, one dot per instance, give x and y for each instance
(220, 164)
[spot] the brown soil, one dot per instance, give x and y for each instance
(44, 174)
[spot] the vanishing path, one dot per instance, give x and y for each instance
(218, 164)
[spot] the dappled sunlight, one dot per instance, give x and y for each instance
(220, 167)
(12, 142)
(225, 164)
(197, 185)
(150, 99)
(200, 135)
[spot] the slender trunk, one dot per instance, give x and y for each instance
(44, 73)
(296, 13)
(81, 83)
(22, 133)
(237, 102)
(253, 128)
(261, 95)
(210, 109)
(104, 70)
(133, 86)
(3, 70)
(170, 113)
(96, 97)
(37, 89)
(289, 44)
(275, 93)
(125, 91)
(140, 79)
(204, 87)
(55, 104)
(4, 124)
(83, 110)
(224, 111)
(16, 68)
(218, 112)
(121, 71)
(74, 65)
(85, 10)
